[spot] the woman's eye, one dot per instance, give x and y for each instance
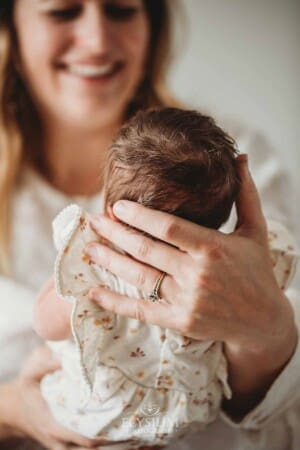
(65, 14)
(118, 12)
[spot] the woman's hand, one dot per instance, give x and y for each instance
(26, 411)
(217, 287)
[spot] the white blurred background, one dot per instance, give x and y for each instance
(240, 59)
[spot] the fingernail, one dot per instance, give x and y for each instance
(119, 208)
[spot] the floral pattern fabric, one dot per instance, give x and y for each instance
(125, 380)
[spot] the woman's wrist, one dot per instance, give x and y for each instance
(251, 373)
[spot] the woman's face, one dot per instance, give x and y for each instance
(82, 60)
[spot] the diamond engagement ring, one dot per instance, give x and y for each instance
(153, 296)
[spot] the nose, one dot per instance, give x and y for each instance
(94, 31)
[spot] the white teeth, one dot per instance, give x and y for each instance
(91, 71)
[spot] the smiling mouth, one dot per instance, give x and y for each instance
(93, 71)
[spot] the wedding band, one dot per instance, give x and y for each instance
(153, 296)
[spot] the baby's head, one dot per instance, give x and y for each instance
(176, 161)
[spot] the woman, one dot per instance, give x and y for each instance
(71, 72)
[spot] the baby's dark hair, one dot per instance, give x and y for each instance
(177, 161)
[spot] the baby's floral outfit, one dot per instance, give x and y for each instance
(125, 380)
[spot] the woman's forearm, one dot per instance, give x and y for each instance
(252, 374)
(7, 403)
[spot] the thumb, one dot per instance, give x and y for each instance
(249, 211)
(39, 363)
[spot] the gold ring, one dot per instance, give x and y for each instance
(153, 296)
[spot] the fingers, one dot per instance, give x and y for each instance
(144, 249)
(130, 270)
(249, 211)
(166, 227)
(158, 313)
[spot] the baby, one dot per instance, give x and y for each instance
(123, 380)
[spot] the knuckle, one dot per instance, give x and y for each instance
(200, 278)
(143, 248)
(170, 229)
(141, 278)
(204, 274)
(204, 279)
(215, 250)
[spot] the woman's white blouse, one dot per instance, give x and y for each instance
(272, 425)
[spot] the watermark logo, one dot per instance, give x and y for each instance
(149, 419)
(150, 410)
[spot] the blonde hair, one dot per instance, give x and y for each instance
(17, 114)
